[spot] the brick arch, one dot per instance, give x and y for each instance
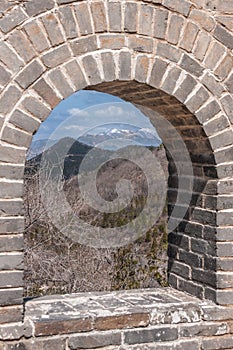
(44, 58)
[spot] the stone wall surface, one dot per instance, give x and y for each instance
(171, 56)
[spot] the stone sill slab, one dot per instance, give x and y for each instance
(85, 312)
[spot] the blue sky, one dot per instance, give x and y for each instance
(85, 110)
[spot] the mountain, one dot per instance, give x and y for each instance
(39, 146)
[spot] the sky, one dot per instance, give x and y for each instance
(88, 111)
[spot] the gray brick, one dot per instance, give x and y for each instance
(22, 45)
(60, 81)
(24, 121)
(181, 6)
(9, 99)
(225, 218)
(212, 84)
(203, 19)
(11, 243)
(13, 296)
(203, 329)
(114, 15)
(191, 288)
(224, 280)
(222, 140)
(47, 93)
(225, 249)
(224, 67)
(91, 69)
(125, 66)
(191, 65)
(208, 112)
(9, 58)
(145, 19)
(112, 41)
(158, 71)
(223, 36)
(84, 19)
(11, 190)
(179, 269)
(52, 27)
(189, 258)
(16, 137)
(56, 57)
(76, 75)
(11, 279)
(151, 335)
(11, 155)
(160, 23)
(131, 14)
(141, 69)
(201, 45)
(195, 102)
(205, 277)
(229, 83)
(174, 29)
(35, 7)
(5, 76)
(36, 108)
(30, 74)
(11, 261)
(214, 54)
(12, 19)
(189, 36)
(141, 44)
(227, 103)
(108, 66)
(84, 45)
(172, 77)
(185, 88)
(12, 331)
(94, 340)
(11, 172)
(68, 21)
(168, 51)
(99, 16)
(37, 35)
(11, 314)
(225, 342)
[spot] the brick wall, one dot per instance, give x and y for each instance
(171, 56)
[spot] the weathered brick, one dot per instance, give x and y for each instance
(63, 326)
(203, 19)
(213, 55)
(91, 69)
(58, 56)
(34, 7)
(84, 19)
(11, 243)
(224, 67)
(112, 41)
(22, 45)
(52, 27)
(24, 121)
(225, 20)
(11, 279)
(167, 51)
(131, 14)
(201, 45)
(68, 21)
(225, 202)
(76, 75)
(224, 342)
(225, 249)
(11, 190)
(229, 83)
(99, 16)
(9, 99)
(47, 93)
(122, 321)
(16, 136)
(9, 58)
(60, 82)
(141, 69)
(84, 45)
(180, 269)
(37, 35)
(11, 155)
(208, 112)
(212, 84)
(189, 36)
(227, 103)
(224, 280)
(114, 15)
(94, 340)
(190, 258)
(30, 74)
(224, 36)
(222, 140)
(141, 44)
(11, 261)
(160, 23)
(36, 108)
(125, 66)
(12, 19)
(11, 172)
(109, 66)
(171, 79)
(12, 331)
(196, 101)
(191, 65)
(13, 296)
(4, 76)
(158, 71)
(174, 29)
(11, 314)
(191, 288)
(145, 19)
(185, 88)
(181, 6)
(151, 335)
